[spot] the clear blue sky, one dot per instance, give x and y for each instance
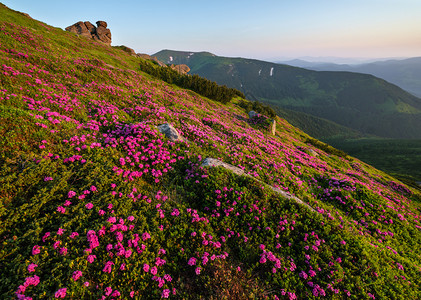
(263, 29)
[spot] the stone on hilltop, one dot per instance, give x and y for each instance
(103, 34)
(101, 24)
(80, 29)
(87, 29)
(91, 27)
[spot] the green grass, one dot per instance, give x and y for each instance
(400, 157)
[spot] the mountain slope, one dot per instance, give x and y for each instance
(358, 101)
(405, 73)
(96, 203)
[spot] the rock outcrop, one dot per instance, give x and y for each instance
(170, 132)
(313, 153)
(127, 49)
(213, 162)
(182, 69)
(252, 114)
(103, 34)
(153, 58)
(87, 29)
(309, 151)
(271, 126)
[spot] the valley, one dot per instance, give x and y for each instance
(333, 106)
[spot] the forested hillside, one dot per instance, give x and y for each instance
(360, 102)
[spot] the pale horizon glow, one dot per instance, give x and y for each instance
(267, 29)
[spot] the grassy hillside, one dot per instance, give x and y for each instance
(361, 102)
(317, 127)
(96, 203)
(400, 157)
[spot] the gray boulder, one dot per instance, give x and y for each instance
(170, 132)
(313, 153)
(213, 162)
(252, 114)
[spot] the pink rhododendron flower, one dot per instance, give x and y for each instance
(108, 267)
(154, 270)
(31, 268)
(146, 236)
(63, 251)
(192, 261)
(61, 293)
(73, 235)
(112, 220)
(56, 244)
(168, 277)
(108, 290)
(115, 294)
(76, 275)
(165, 293)
(92, 239)
(46, 235)
(36, 250)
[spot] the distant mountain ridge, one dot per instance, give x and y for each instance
(362, 102)
(405, 73)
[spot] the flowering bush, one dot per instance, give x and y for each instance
(96, 203)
